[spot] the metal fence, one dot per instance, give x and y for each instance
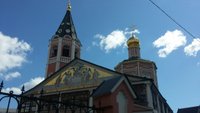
(32, 104)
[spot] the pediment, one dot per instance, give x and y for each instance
(77, 75)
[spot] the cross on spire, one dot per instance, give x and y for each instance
(69, 5)
(133, 30)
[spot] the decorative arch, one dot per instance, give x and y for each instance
(54, 51)
(122, 102)
(66, 51)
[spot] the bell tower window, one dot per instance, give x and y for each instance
(76, 53)
(66, 51)
(54, 51)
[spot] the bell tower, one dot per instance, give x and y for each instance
(64, 46)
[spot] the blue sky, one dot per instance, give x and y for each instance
(28, 26)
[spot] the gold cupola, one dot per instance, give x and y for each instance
(133, 44)
(133, 41)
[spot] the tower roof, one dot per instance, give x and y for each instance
(67, 26)
(133, 41)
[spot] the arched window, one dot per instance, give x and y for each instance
(77, 53)
(66, 51)
(122, 102)
(54, 51)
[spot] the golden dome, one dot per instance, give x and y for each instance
(133, 42)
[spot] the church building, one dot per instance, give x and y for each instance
(132, 87)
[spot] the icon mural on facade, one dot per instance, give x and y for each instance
(78, 76)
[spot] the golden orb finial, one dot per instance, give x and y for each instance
(133, 41)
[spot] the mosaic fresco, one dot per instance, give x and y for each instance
(78, 76)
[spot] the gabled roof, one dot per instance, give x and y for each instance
(109, 86)
(67, 27)
(106, 86)
(52, 84)
(76, 75)
(195, 109)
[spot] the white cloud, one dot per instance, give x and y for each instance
(13, 52)
(12, 75)
(128, 32)
(169, 42)
(15, 90)
(115, 39)
(193, 48)
(28, 85)
(33, 82)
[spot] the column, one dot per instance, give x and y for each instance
(59, 54)
(73, 49)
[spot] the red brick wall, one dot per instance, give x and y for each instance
(109, 101)
(51, 68)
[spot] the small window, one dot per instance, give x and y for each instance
(54, 51)
(66, 51)
(76, 53)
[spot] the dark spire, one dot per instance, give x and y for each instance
(67, 26)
